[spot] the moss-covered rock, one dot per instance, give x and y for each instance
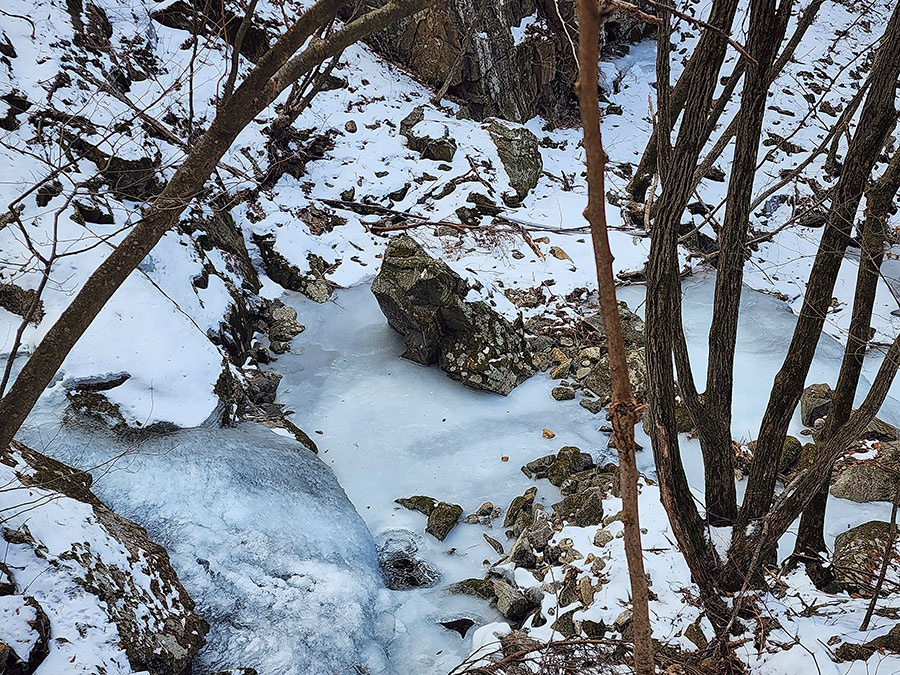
(598, 380)
(421, 503)
(790, 454)
(479, 588)
(869, 480)
(442, 519)
(858, 554)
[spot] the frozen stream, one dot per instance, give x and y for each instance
(265, 541)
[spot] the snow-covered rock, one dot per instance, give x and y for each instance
(86, 576)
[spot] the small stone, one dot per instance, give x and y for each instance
(443, 519)
(517, 254)
(593, 405)
(602, 538)
(591, 353)
(587, 591)
(350, 126)
(546, 433)
(496, 545)
(563, 393)
(582, 373)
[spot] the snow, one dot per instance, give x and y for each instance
(260, 513)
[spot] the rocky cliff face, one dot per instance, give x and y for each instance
(512, 59)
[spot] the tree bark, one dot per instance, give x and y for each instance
(876, 121)
(624, 410)
(272, 74)
(664, 300)
(879, 199)
(767, 25)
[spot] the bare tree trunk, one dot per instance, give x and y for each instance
(879, 199)
(624, 410)
(277, 69)
(876, 121)
(715, 428)
(663, 301)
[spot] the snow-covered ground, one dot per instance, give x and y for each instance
(390, 428)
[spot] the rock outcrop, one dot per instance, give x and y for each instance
(424, 300)
(86, 576)
(512, 60)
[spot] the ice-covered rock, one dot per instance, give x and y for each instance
(88, 577)
(262, 536)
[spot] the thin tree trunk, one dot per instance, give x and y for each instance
(663, 301)
(876, 120)
(715, 430)
(625, 411)
(277, 69)
(879, 199)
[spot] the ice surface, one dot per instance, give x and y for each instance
(261, 535)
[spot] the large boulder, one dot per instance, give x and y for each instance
(858, 555)
(87, 576)
(508, 59)
(424, 300)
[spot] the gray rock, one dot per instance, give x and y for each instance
(815, 402)
(632, 327)
(598, 381)
(424, 300)
(521, 157)
(479, 588)
(511, 602)
(870, 480)
(563, 393)
(440, 148)
(282, 322)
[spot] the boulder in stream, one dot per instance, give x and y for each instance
(424, 300)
